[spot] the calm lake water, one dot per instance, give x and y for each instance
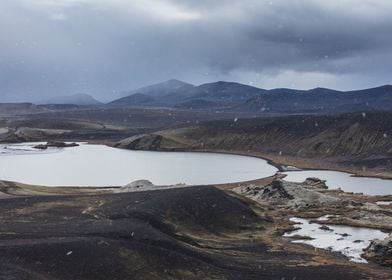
(99, 165)
(336, 179)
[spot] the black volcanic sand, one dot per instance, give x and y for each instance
(188, 233)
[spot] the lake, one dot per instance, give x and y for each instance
(345, 181)
(99, 165)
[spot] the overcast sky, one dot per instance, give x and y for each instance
(103, 47)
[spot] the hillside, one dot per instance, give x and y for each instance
(354, 141)
(320, 100)
(184, 233)
(153, 94)
(80, 99)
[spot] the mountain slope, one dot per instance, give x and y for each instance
(356, 140)
(175, 93)
(320, 100)
(168, 87)
(238, 97)
(154, 95)
(76, 99)
(218, 94)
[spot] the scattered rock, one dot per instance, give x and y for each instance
(276, 190)
(55, 144)
(61, 144)
(355, 203)
(41, 147)
(316, 182)
(324, 227)
(380, 251)
(301, 237)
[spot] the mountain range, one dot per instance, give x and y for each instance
(230, 96)
(177, 94)
(234, 96)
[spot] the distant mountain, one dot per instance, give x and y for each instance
(175, 93)
(80, 99)
(238, 97)
(154, 95)
(319, 100)
(137, 99)
(224, 91)
(165, 88)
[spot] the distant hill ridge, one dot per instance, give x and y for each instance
(239, 97)
(80, 99)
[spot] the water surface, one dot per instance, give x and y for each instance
(99, 165)
(345, 181)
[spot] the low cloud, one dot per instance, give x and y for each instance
(103, 47)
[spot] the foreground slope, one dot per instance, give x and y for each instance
(188, 233)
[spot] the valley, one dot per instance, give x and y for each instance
(252, 222)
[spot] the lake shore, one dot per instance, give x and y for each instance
(281, 161)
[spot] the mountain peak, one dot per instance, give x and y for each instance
(163, 88)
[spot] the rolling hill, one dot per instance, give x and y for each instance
(80, 99)
(237, 97)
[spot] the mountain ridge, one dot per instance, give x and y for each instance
(80, 99)
(223, 95)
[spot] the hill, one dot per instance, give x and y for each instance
(153, 94)
(356, 141)
(80, 99)
(237, 97)
(174, 93)
(185, 233)
(320, 100)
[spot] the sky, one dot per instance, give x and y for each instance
(107, 47)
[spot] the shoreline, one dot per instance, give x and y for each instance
(279, 165)
(271, 160)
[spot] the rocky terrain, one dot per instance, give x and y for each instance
(380, 251)
(199, 232)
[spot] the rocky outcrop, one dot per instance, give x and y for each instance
(145, 185)
(276, 190)
(139, 184)
(55, 144)
(141, 142)
(310, 193)
(380, 251)
(151, 142)
(315, 183)
(26, 134)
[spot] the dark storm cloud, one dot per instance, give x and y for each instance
(101, 47)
